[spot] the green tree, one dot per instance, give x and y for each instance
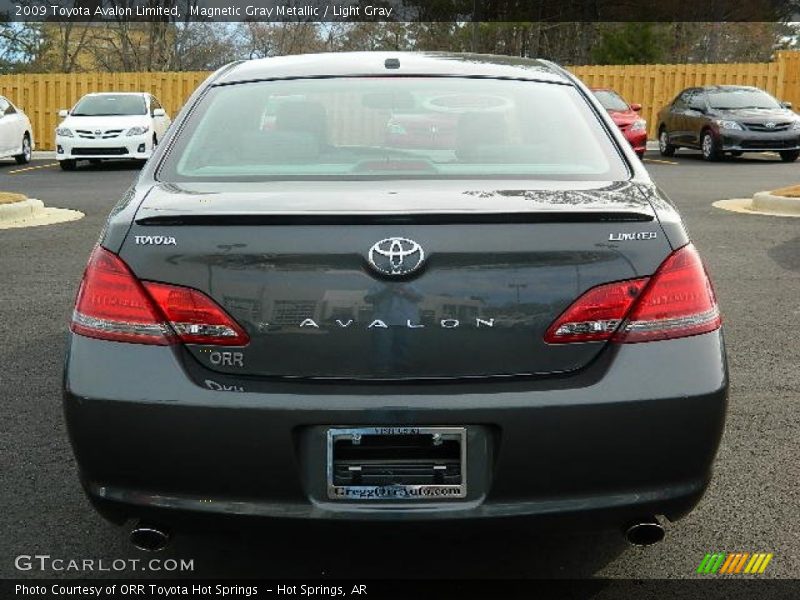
(630, 43)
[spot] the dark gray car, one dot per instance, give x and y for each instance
(289, 316)
(732, 119)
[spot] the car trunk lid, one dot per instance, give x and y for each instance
(290, 262)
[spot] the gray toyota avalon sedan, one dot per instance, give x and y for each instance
(395, 287)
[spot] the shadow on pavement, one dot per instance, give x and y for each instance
(395, 551)
(109, 165)
(749, 159)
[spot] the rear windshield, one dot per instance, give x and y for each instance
(400, 127)
(611, 100)
(741, 98)
(109, 105)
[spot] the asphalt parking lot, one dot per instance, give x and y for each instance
(752, 505)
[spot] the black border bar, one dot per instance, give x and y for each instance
(99, 11)
(707, 588)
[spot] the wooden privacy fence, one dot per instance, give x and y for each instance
(653, 86)
(42, 95)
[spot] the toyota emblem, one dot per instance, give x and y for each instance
(396, 256)
(769, 124)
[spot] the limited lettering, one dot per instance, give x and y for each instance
(628, 237)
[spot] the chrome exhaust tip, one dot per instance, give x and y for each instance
(150, 537)
(645, 533)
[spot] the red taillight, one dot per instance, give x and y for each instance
(195, 317)
(677, 301)
(597, 314)
(112, 304)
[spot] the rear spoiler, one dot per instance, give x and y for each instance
(437, 218)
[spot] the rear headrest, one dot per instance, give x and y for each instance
(277, 147)
(303, 117)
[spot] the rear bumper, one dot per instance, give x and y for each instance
(153, 432)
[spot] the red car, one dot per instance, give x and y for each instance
(425, 130)
(627, 118)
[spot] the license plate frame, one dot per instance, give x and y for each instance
(436, 492)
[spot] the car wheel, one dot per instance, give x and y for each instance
(68, 165)
(25, 156)
(789, 155)
(664, 147)
(709, 146)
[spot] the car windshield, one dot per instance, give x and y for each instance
(741, 98)
(392, 127)
(611, 100)
(110, 105)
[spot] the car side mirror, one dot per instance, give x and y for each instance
(159, 112)
(786, 105)
(63, 113)
(636, 107)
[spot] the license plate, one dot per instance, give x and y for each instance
(397, 463)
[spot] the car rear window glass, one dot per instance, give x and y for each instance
(611, 100)
(110, 105)
(741, 98)
(392, 127)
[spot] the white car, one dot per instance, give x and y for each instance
(110, 125)
(16, 133)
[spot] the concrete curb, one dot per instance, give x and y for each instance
(32, 213)
(745, 206)
(766, 202)
(15, 211)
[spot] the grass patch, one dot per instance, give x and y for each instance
(791, 191)
(9, 197)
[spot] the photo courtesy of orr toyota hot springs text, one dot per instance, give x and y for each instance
(399, 299)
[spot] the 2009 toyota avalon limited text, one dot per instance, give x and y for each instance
(395, 286)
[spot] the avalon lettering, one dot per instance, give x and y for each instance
(409, 324)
